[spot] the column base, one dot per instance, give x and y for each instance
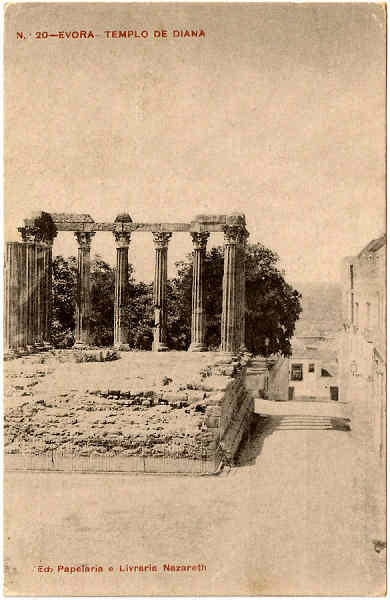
(228, 354)
(122, 347)
(159, 347)
(39, 347)
(79, 345)
(198, 347)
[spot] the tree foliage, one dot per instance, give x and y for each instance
(64, 285)
(272, 305)
(139, 315)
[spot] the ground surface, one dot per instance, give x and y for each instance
(296, 516)
(293, 518)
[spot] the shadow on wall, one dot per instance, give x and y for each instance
(252, 444)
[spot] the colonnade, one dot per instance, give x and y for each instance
(28, 282)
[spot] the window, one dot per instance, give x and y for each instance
(296, 372)
(325, 373)
(311, 367)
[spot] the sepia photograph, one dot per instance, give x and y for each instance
(194, 299)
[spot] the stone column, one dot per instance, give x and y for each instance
(83, 302)
(231, 322)
(14, 328)
(198, 319)
(28, 287)
(41, 293)
(161, 240)
(38, 235)
(48, 274)
(243, 246)
(122, 240)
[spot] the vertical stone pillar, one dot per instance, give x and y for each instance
(40, 295)
(198, 318)
(47, 271)
(243, 247)
(161, 240)
(232, 294)
(9, 294)
(14, 297)
(122, 240)
(28, 289)
(83, 302)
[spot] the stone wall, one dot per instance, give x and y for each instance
(229, 405)
(279, 380)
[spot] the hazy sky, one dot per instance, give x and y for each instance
(278, 112)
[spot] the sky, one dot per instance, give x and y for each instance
(278, 112)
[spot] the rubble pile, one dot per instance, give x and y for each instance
(163, 416)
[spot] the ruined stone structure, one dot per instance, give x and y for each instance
(28, 279)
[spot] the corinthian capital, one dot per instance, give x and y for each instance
(84, 238)
(199, 239)
(161, 238)
(122, 238)
(235, 234)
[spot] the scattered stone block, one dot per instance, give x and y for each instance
(217, 383)
(195, 395)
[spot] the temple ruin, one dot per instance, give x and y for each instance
(28, 275)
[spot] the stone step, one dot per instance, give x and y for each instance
(322, 420)
(305, 422)
(304, 417)
(303, 428)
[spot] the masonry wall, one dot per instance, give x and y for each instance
(279, 380)
(229, 406)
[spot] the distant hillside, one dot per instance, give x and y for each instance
(321, 303)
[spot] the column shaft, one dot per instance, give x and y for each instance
(161, 240)
(21, 330)
(40, 296)
(198, 319)
(83, 303)
(242, 345)
(49, 283)
(121, 290)
(13, 299)
(233, 289)
(38, 236)
(30, 295)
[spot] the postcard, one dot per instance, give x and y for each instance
(194, 299)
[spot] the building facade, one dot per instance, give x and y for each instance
(310, 374)
(313, 375)
(363, 342)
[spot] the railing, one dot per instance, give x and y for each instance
(67, 462)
